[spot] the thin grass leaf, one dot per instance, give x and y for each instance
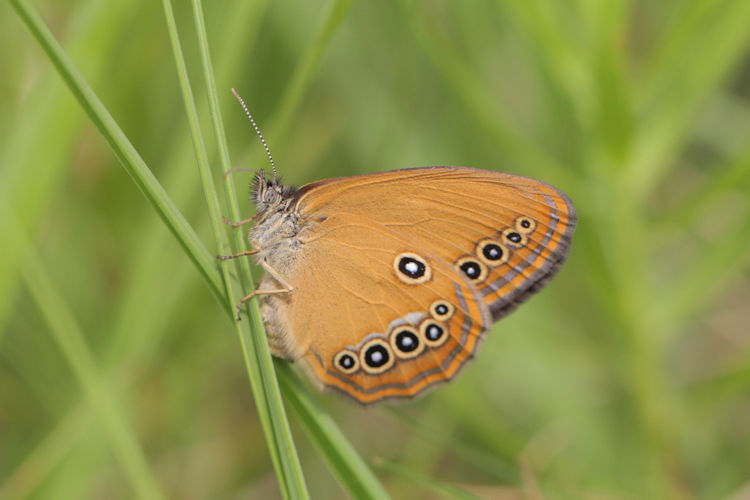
(148, 247)
(491, 463)
(301, 77)
(127, 155)
(351, 471)
(131, 328)
(722, 388)
(515, 146)
(49, 104)
(700, 282)
(734, 177)
(47, 454)
(100, 396)
(564, 70)
(677, 85)
(440, 488)
(308, 63)
(261, 373)
(123, 150)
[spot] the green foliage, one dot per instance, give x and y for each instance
(629, 376)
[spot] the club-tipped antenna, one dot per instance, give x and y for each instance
(257, 131)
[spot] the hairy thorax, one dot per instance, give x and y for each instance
(275, 238)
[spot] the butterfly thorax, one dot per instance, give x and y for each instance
(276, 222)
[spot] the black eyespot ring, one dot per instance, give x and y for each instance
(346, 361)
(442, 310)
(514, 239)
(473, 269)
(492, 253)
(525, 225)
(412, 269)
(376, 356)
(406, 342)
(433, 332)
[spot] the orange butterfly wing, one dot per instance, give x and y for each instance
(454, 208)
(356, 317)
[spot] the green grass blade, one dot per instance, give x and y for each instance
(300, 79)
(516, 147)
(99, 394)
(734, 177)
(675, 85)
(721, 388)
(123, 149)
(261, 373)
(493, 464)
(441, 488)
(718, 265)
(127, 155)
(47, 455)
(143, 313)
(40, 119)
(352, 472)
(308, 63)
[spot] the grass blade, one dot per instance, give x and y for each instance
(99, 394)
(260, 366)
(346, 464)
(440, 488)
(676, 85)
(123, 149)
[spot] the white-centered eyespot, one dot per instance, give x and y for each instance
(525, 225)
(442, 310)
(492, 252)
(346, 361)
(412, 269)
(513, 238)
(472, 268)
(376, 356)
(406, 342)
(433, 332)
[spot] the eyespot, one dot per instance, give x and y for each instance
(346, 361)
(433, 332)
(492, 252)
(472, 268)
(525, 225)
(406, 342)
(412, 269)
(376, 356)
(513, 238)
(442, 310)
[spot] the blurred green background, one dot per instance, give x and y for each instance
(628, 377)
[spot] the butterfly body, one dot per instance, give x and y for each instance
(384, 284)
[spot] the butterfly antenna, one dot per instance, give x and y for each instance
(257, 131)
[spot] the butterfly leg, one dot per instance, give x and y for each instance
(253, 294)
(235, 255)
(270, 270)
(237, 224)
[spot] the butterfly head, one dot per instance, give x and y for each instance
(270, 195)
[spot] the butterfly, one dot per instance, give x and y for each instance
(384, 285)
